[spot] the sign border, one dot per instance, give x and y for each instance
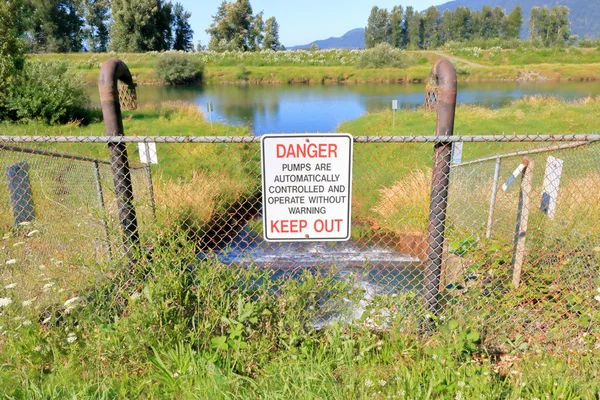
(262, 164)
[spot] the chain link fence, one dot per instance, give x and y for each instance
(518, 261)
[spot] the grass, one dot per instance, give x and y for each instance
(339, 66)
(192, 331)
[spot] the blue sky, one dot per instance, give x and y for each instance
(301, 21)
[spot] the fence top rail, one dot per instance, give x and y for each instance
(592, 137)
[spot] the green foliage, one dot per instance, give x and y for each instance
(271, 36)
(49, 92)
(12, 29)
(56, 26)
(384, 56)
(97, 14)
(379, 28)
(179, 68)
(551, 26)
(182, 30)
(235, 28)
(140, 25)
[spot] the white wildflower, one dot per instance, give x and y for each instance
(458, 396)
(38, 348)
(11, 261)
(11, 286)
(47, 286)
(25, 223)
(26, 322)
(135, 295)
(4, 301)
(175, 375)
(382, 382)
(597, 298)
(368, 383)
(27, 303)
(71, 301)
(71, 337)
(460, 384)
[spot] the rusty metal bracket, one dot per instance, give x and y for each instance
(112, 71)
(444, 74)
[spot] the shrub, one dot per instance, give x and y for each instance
(179, 68)
(46, 91)
(384, 56)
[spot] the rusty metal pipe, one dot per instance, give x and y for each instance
(444, 74)
(111, 72)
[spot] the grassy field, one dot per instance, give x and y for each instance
(182, 327)
(339, 66)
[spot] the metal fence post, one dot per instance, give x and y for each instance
(444, 74)
(112, 71)
(490, 223)
(522, 222)
(19, 187)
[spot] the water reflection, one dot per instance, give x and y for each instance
(321, 108)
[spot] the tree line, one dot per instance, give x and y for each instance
(235, 28)
(409, 29)
(60, 26)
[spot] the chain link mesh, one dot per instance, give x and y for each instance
(61, 222)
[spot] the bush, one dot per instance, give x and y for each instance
(179, 68)
(384, 56)
(46, 91)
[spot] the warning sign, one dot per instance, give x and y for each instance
(307, 187)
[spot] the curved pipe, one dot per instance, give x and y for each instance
(112, 71)
(444, 75)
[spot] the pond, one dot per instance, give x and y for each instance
(321, 108)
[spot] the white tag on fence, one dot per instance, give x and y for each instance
(457, 151)
(554, 168)
(514, 175)
(148, 153)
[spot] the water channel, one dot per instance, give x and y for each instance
(321, 108)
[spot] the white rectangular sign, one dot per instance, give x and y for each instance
(457, 151)
(394, 105)
(554, 168)
(148, 153)
(307, 187)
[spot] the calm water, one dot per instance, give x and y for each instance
(321, 108)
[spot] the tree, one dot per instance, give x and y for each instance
(551, 26)
(462, 23)
(97, 13)
(511, 27)
(141, 25)
(56, 26)
(257, 32)
(430, 28)
(12, 45)
(181, 28)
(412, 23)
(234, 27)
(378, 28)
(271, 38)
(396, 16)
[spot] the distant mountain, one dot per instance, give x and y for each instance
(354, 39)
(584, 16)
